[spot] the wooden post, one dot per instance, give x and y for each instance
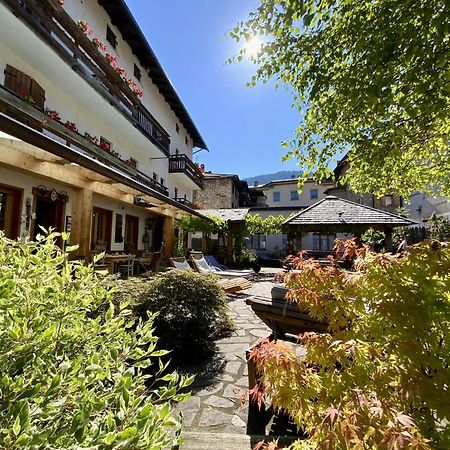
(229, 248)
(388, 239)
(169, 237)
(81, 220)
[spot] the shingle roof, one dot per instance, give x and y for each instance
(229, 214)
(337, 211)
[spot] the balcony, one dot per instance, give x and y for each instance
(182, 164)
(18, 108)
(184, 201)
(55, 27)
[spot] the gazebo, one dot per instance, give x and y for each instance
(337, 215)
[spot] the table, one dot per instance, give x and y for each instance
(115, 260)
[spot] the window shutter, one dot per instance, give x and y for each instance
(23, 85)
(17, 81)
(38, 94)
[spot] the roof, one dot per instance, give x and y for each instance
(122, 18)
(290, 181)
(337, 211)
(228, 214)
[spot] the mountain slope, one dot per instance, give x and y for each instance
(266, 178)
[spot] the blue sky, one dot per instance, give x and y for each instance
(242, 126)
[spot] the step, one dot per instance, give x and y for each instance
(219, 441)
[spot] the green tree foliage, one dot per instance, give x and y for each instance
(379, 378)
(71, 364)
(255, 224)
(208, 225)
(368, 77)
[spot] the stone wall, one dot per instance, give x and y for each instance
(217, 193)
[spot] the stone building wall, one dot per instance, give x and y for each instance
(217, 193)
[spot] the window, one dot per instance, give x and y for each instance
(177, 152)
(132, 162)
(294, 195)
(105, 144)
(186, 141)
(118, 237)
(137, 72)
(177, 127)
(276, 196)
(387, 200)
(163, 181)
(155, 176)
(323, 242)
(313, 194)
(111, 37)
(175, 193)
(101, 229)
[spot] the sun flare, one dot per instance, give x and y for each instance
(253, 46)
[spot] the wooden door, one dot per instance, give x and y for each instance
(10, 207)
(131, 233)
(101, 229)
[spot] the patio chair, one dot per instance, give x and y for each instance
(127, 269)
(216, 266)
(203, 267)
(180, 263)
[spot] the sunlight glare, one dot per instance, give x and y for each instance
(253, 47)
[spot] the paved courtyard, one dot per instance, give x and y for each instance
(219, 401)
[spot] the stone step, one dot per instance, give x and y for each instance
(219, 441)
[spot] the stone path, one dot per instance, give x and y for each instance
(219, 401)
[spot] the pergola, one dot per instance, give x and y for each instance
(234, 217)
(337, 215)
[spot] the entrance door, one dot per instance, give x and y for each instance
(49, 212)
(131, 233)
(101, 229)
(10, 205)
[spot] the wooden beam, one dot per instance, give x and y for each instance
(82, 203)
(169, 237)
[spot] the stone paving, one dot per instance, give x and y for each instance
(219, 401)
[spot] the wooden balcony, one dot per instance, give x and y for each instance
(18, 108)
(184, 201)
(182, 164)
(52, 23)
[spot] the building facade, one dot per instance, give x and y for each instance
(223, 191)
(94, 138)
(285, 199)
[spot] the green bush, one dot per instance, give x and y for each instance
(71, 364)
(192, 311)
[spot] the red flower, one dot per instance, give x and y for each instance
(99, 44)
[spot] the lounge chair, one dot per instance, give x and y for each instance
(203, 267)
(230, 286)
(216, 266)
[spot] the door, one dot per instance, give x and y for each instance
(10, 206)
(101, 229)
(131, 233)
(49, 212)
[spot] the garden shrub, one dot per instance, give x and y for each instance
(71, 363)
(192, 312)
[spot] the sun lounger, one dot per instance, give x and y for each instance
(230, 286)
(203, 267)
(216, 266)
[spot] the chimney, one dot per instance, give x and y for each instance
(256, 184)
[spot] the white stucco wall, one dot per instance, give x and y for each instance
(78, 102)
(285, 189)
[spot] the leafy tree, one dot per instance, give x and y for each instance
(71, 364)
(379, 378)
(371, 78)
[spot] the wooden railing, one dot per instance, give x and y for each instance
(18, 108)
(182, 164)
(61, 32)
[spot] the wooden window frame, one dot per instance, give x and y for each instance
(137, 72)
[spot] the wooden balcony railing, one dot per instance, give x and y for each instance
(18, 108)
(61, 32)
(182, 164)
(184, 201)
